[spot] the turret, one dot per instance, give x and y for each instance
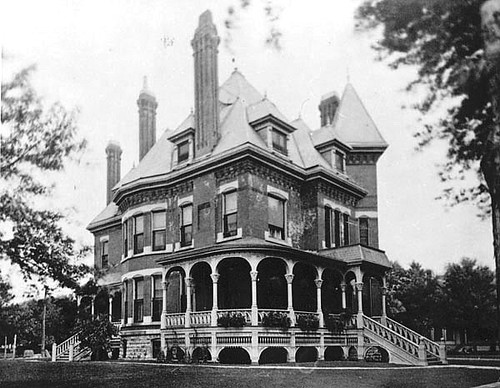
(147, 119)
(206, 85)
(113, 153)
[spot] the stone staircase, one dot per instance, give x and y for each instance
(405, 345)
(70, 350)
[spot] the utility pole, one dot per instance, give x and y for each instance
(43, 319)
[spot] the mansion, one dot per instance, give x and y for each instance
(242, 236)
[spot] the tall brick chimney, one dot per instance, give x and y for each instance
(327, 108)
(147, 119)
(114, 154)
(206, 85)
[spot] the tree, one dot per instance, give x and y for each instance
(5, 292)
(446, 41)
(34, 141)
(25, 320)
(415, 297)
(96, 334)
(470, 296)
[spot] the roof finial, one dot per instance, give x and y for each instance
(233, 60)
(145, 82)
(348, 75)
(302, 106)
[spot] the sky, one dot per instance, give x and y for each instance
(93, 55)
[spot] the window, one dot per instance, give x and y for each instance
(157, 298)
(276, 217)
(186, 225)
(339, 161)
(125, 239)
(230, 214)
(279, 141)
(139, 234)
(183, 152)
(346, 229)
(363, 231)
(329, 228)
(139, 300)
(104, 254)
(338, 231)
(159, 231)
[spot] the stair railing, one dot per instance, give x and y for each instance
(431, 347)
(63, 347)
(391, 336)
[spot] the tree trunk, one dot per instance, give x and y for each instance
(490, 164)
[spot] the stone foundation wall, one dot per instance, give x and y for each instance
(139, 346)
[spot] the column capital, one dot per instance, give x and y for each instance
(164, 284)
(384, 290)
(343, 286)
(189, 282)
(318, 282)
(289, 278)
(215, 277)
(359, 286)
(253, 275)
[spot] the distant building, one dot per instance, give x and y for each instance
(241, 217)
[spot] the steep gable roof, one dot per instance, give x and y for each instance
(237, 86)
(353, 124)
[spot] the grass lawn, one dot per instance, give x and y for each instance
(128, 374)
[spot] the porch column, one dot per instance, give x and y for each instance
(110, 308)
(319, 283)
(344, 301)
(193, 290)
(359, 290)
(215, 279)
(189, 283)
(384, 307)
(289, 280)
(255, 309)
(163, 322)
(93, 307)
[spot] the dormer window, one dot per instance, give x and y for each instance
(279, 141)
(183, 151)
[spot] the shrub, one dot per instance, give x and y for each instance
(231, 320)
(334, 324)
(276, 319)
(308, 322)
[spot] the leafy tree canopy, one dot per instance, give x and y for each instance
(470, 297)
(443, 38)
(35, 140)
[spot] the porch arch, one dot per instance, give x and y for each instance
(331, 292)
(176, 290)
(271, 284)
(234, 285)
(304, 288)
(202, 290)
